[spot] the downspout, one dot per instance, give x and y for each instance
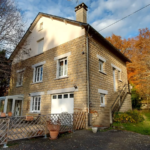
(88, 84)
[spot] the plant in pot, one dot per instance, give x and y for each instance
(54, 128)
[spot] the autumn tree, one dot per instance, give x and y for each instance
(138, 50)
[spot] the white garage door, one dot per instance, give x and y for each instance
(62, 103)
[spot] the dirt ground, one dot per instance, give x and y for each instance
(85, 139)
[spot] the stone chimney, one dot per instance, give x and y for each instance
(81, 13)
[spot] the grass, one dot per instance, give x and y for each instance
(142, 127)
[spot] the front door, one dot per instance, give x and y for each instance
(18, 107)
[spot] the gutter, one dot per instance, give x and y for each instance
(88, 84)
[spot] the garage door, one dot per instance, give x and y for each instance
(62, 103)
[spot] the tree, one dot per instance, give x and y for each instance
(138, 50)
(11, 26)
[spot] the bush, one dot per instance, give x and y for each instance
(136, 102)
(129, 117)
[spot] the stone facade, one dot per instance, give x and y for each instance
(76, 76)
(104, 81)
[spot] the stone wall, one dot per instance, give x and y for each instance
(76, 76)
(103, 81)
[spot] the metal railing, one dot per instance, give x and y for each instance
(118, 101)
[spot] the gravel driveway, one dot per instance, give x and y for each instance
(85, 139)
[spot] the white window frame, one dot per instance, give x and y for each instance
(58, 58)
(37, 74)
(62, 60)
(102, 96)
(102, 63)
(33, 100)
(41, 64)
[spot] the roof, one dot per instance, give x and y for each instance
(86, 25)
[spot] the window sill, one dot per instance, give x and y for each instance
(102, 106)
(120, 80)
(37, 82)
(61, 78)
(34, 112)
(102, 72)
(19, 86)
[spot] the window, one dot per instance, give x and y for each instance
(119, 75)
(41, 26)
(102, 100)
(38, 74)
(101, 63)
(40, 46)
(63, 66)
(35, 104)
(20, 78)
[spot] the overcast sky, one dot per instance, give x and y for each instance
(101, 13)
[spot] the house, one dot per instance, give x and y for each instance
(71, 67)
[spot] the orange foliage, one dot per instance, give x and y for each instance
(137, 49)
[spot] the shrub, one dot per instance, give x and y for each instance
(128, 117)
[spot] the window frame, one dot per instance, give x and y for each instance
(33, 100)
(35, 77)
(102, 96)
(20, 77)
(102, 65)
(58, 67)
(119, 75)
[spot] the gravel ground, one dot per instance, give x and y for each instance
(85, 139)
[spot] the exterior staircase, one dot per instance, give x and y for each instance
(115, 107)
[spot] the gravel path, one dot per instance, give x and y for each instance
(85, 139)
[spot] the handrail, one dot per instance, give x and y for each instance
(118, 96)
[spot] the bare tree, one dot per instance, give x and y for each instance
(11, 26)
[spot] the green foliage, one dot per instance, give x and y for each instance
(136, 102)
(141, 127)
(129, 117)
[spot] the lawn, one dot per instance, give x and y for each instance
(142, 127)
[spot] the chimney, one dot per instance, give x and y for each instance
(81, 13)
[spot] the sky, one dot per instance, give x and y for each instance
(101, 13)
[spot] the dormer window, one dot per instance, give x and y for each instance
(41, 26)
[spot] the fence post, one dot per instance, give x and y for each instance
(7, 129)
(45, 137)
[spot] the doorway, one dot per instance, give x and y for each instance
(18, 107)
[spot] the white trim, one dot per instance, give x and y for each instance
(37, 94)
(102, 91)
(38, 64)
(115, 67)
(101, 58)
(102, 104)
(62, 56)
(20, 70)
(102, 72)
(66, 90)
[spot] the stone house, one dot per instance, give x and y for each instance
(70, 67)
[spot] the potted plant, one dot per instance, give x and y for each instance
(54, 128)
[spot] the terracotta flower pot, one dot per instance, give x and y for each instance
(3, 115)
(9, 114)
(53, 134)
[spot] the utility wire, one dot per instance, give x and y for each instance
(125, 17)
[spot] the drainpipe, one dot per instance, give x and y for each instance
(88, 84)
